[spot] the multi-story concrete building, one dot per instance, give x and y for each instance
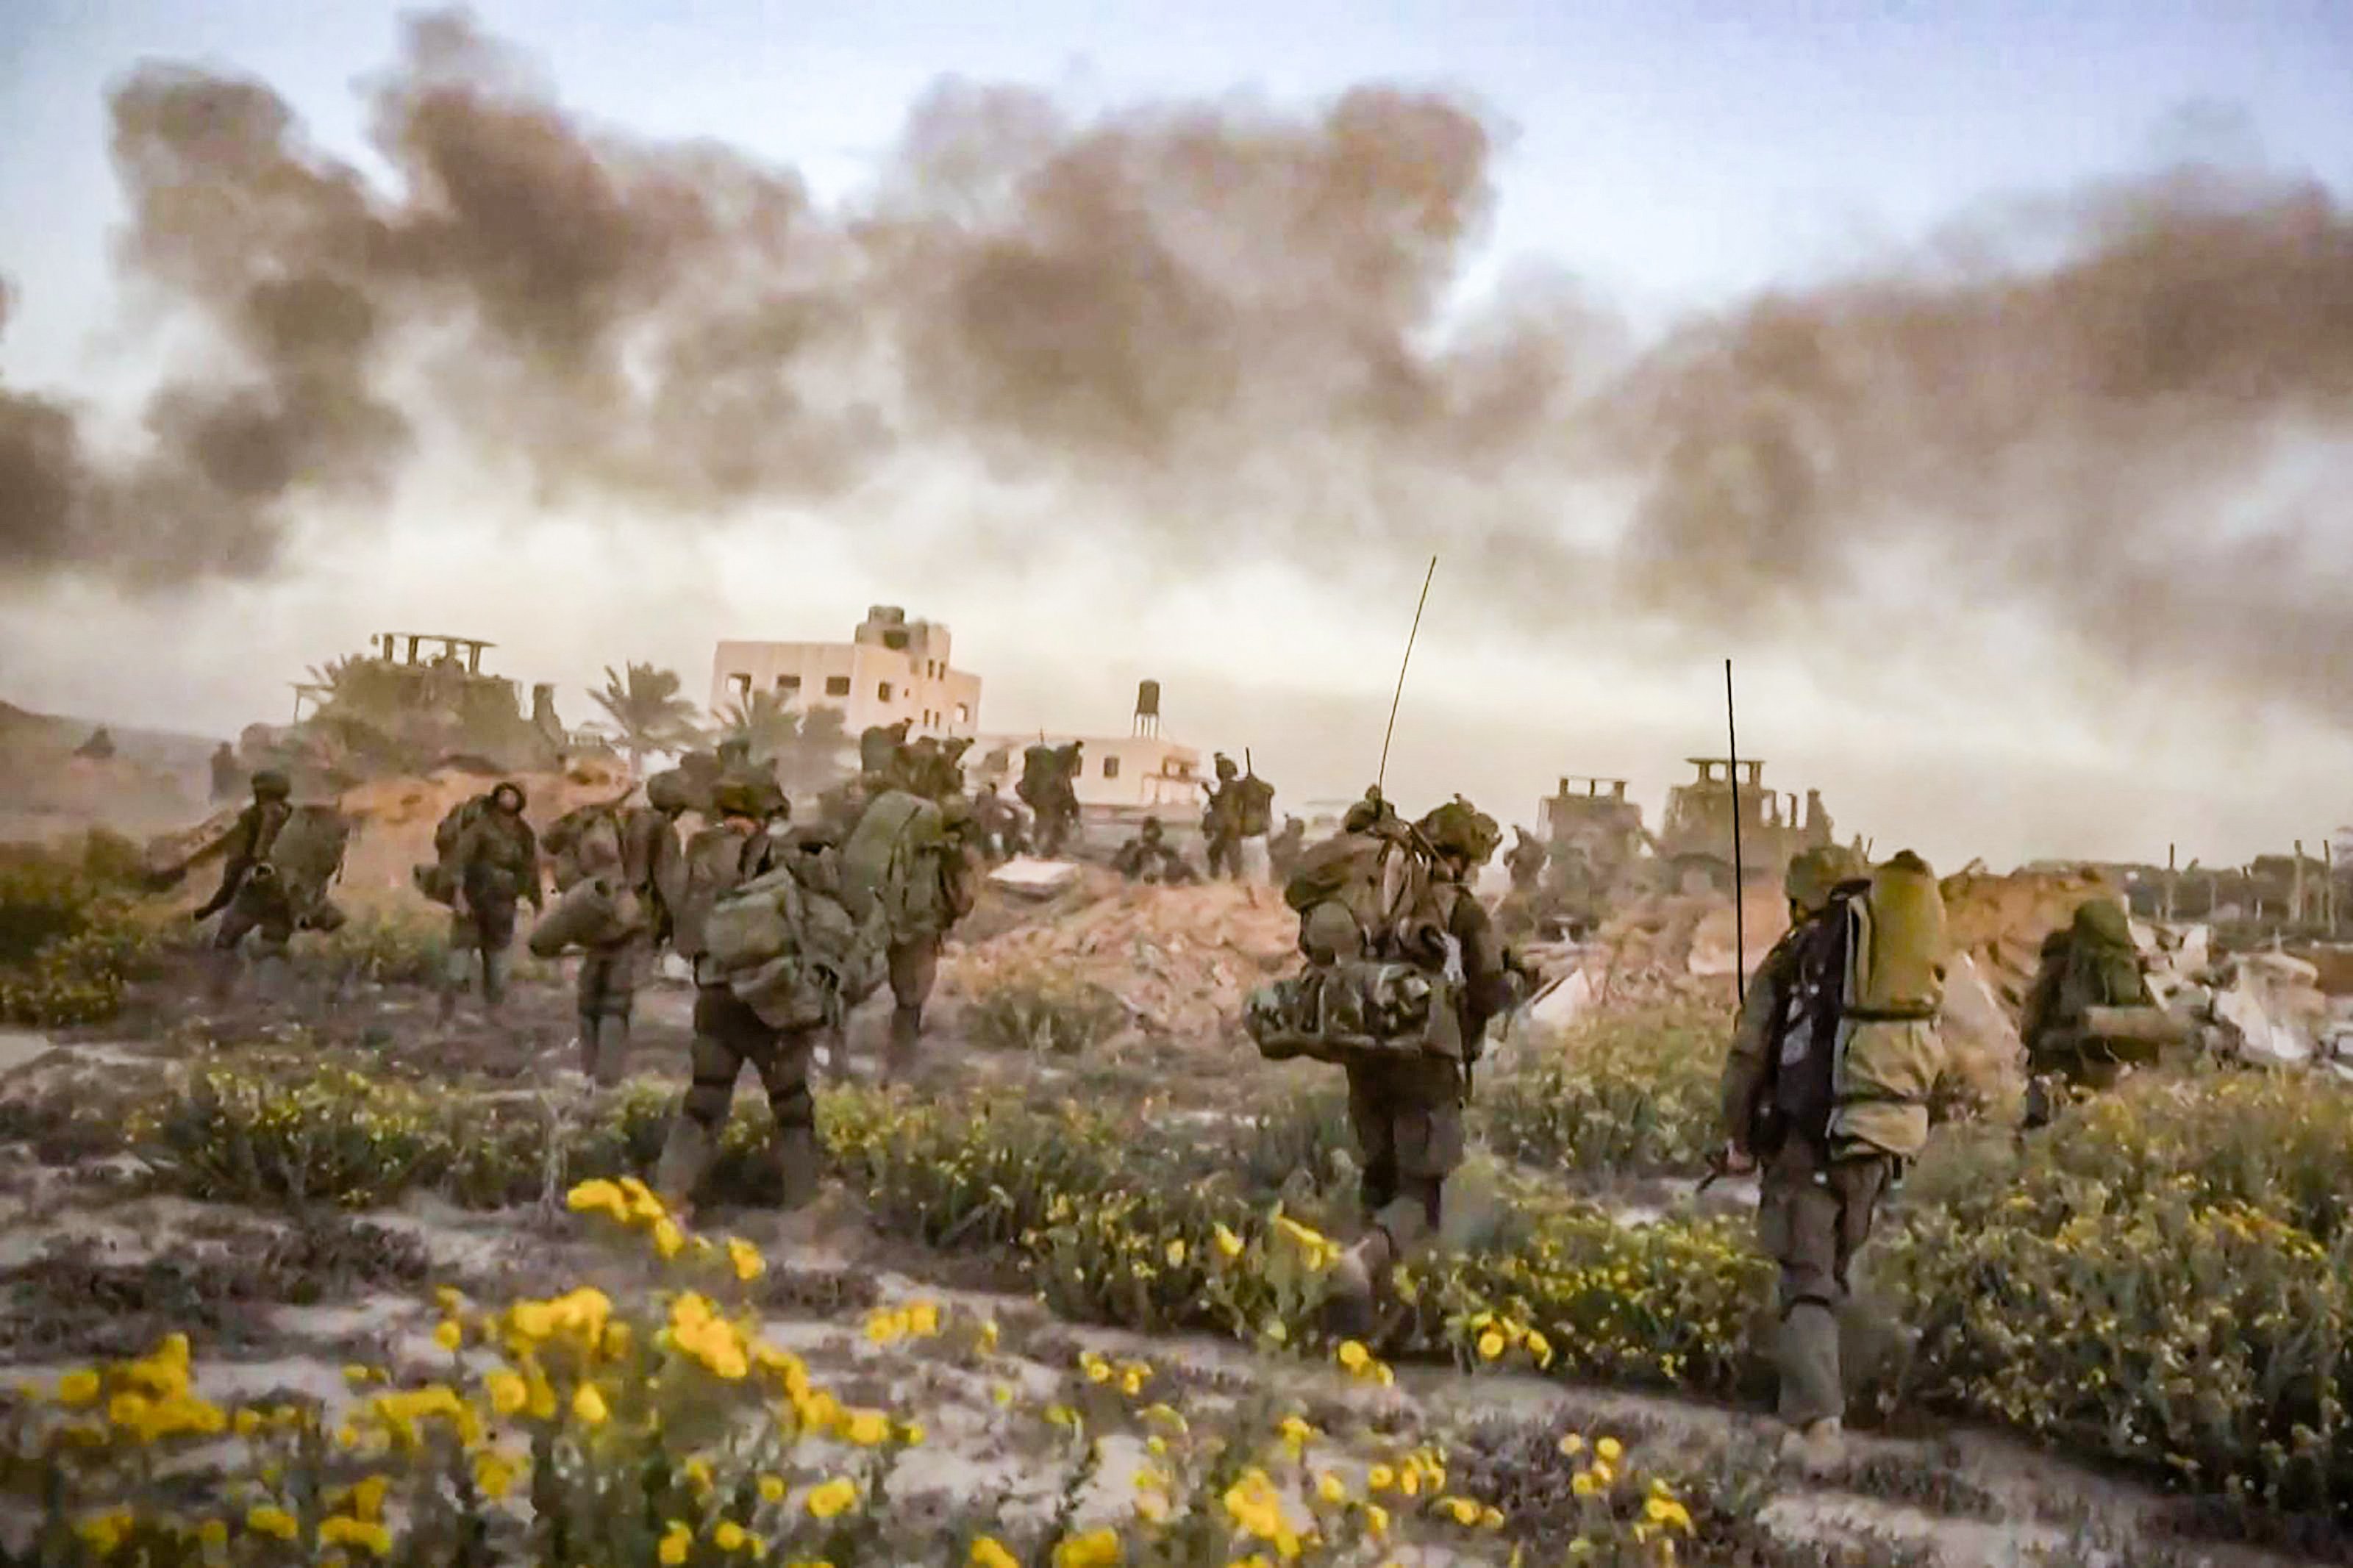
(892, 669)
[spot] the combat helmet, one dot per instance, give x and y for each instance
(1461, 830)
(1814, 874)
(669, 791)
(271, 783)
(507, 787)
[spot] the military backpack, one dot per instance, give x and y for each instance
(787, 943)
(893, 865)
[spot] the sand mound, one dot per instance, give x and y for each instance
(393, 821)
(1183, 959)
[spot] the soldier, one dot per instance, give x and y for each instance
(952, 884)
(1222, 821)
(728, 1033)
(2091, 963)
(1282, 850)
(1794, 1098)
(228, 778)
(1526, 862)
(1150, 858)
(1407, 1111)
(993, 818)
(653, 873)
(1049, 789)
(495, 866)
(249, 895)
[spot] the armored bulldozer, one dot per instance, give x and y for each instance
(412, 702)
(1694, 842)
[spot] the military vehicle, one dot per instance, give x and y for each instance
(413, 702)
(1694, 841)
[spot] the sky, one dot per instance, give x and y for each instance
(1674, 159)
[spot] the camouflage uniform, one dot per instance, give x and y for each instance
(653, 869)
(1406, 1112)
(1282, 850)
(496, 866)
(247, 903)
(914, 955)
(228, 778)
(1817, 1201)
(2092, 963)
(1149, 857)
(728, 1034)
(1221, 823)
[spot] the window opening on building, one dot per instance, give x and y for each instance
(836, 686)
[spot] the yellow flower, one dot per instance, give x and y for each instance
(697, 1471)
(1665, 1511)
(78, 1388)
(1097, 1369)
(1539, 1347)
(988, 1551)
(449, 1336)
(772, 1489)
(366, 1497)
(867, 1428)
(676, 1541)
(836, 1497)
(1609, 1450)
(643, 1204)
(105, 1532)
(1380, 1479)
(1002, 1393)
(1377, 1520)
(1464, 1510)
(509, 1392)
(1095, 1548)
(598, 1196)
(495, 1474)
(588, 1404)
(1584, 1485)
(1230, 1246)
(1131, 1382)
(369, 1537)
(730, 1536)
(668, 1240)
(923, 1320)
(268, 1520)
(1176, 1253)
(883, 1326)
(356, 1374)
(987, 1338)
(912, 1434)
(213, 1535)
(1571, 1446)
(1355, 1356)
(1491, 1518)
(1491, 1345)
(745, 1259)
(1331, 1488)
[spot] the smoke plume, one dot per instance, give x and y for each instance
(1218, 327)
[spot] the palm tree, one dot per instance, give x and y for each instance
(804, 749)
(648, 712)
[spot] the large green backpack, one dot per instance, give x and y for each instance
(789, 948)
(1370, 919)
(1366, 894)
(585, 842)
(1254, 809)
(893, 864)
(305, 857)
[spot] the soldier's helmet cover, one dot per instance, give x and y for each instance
(270, 783)
(1814, 874)
(1460, 829)
(511, 790)
(668, 791)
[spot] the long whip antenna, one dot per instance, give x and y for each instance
(1383, 776)
(1739, 903)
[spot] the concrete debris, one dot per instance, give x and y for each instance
(1181, 961)
(1562, 1002)
(1026, 878)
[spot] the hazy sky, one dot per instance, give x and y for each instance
(1674, 159)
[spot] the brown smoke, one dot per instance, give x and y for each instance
(1219, 327)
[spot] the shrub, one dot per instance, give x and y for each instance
(1045, 1012)
(70, 938)
(1624, 1093)
(403, 947)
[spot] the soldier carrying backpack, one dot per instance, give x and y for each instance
(779, 961)
(913, 861)
(281, 859)
(1827, 1087)
(1404, 974)
(620, 872)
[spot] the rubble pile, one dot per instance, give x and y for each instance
(1181, 960)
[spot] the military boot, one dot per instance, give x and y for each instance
(1354, 1288)
(1817, 1448)
(588, 1026)
(608, 1051)
(686, 1157)
(494, 983)
(799, 1162)
(906, 1034)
